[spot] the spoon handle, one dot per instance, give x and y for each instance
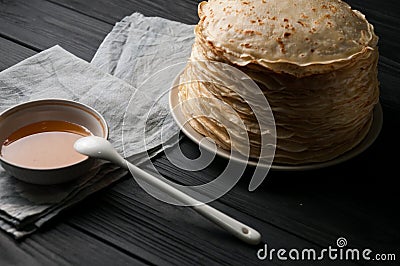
(238, 229)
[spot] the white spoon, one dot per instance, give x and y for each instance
(101, 148)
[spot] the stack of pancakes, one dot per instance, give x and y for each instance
(314, 60)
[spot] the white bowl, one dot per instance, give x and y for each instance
(27, 113)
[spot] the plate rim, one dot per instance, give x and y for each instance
(366, 142)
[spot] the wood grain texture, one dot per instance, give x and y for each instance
(68, 246)
(13, 254)
(122, 225)
(111, 11)
(41, 24)
(62, 245)
(11, 53)
(132, 219)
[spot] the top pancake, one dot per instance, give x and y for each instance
(301, 37)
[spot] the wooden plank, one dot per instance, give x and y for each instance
(163, 234)
(41, 24)
(66, 245)
(12, 254)
(12, 53)
(112, 11)
(325, 204)
(62, 245)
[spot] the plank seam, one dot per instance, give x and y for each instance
(31, 47)
(79, 12)
(120, 249)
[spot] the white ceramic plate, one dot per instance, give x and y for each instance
(180, 119)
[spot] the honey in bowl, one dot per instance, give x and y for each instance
(44, 145)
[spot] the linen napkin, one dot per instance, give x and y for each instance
(148, 53)
(135, 54)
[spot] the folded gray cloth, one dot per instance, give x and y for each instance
(148, 53)
(55, 73)
(133, 53)
(139, 47)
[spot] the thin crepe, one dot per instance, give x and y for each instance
(322, 93)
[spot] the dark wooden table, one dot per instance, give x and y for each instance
(358, 200)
